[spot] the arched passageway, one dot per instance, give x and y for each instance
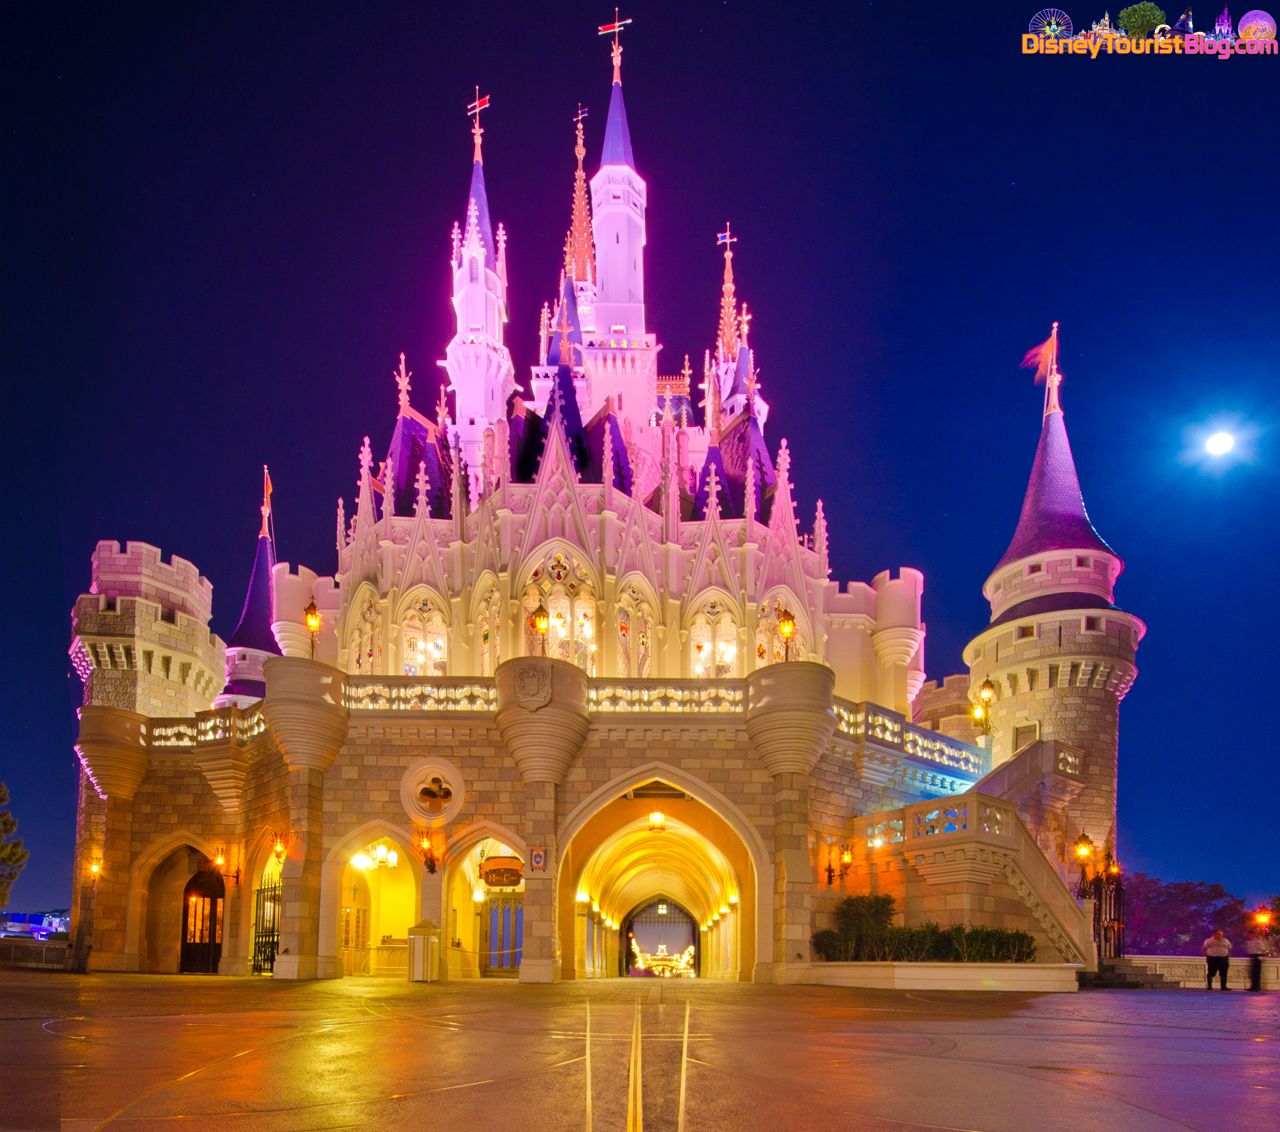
(650, 842)
(660, 939)
(185, 911)
(485, 911)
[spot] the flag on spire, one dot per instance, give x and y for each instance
(266, 503)
(1043, 358)
(615, 29)
(473, 112)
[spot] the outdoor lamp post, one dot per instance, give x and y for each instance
(312, 615)
(787, 628)
(541, 622)
(982, 709)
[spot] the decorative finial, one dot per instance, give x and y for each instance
(402, 383)
(388, 490)
(784, 459)
(442, 408)
(746, 323)
(473, 112)
(456, 237)
(342, 524)
(615, 29)
(366, 458)
(566, 348)
(265, 532)
(728, 306)
(713, 491)
(580, 249)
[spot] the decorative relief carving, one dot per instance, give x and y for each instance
(532, 684)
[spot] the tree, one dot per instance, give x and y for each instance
(1176, 918)
(1140, 20)
(12, 855)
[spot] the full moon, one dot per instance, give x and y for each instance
(1220, 443)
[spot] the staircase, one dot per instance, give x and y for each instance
(1124, 974)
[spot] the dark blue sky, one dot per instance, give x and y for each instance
(221, 223)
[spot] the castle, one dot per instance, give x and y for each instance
(578, 665)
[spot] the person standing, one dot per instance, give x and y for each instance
(1217, 950)
(1256, 946)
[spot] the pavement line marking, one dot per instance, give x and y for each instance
(635, 1095)
(684, 1067)
(587, 1056)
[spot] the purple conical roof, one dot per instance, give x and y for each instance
(1053, 515)
(481, 198)
(617, 137)
(254, 630)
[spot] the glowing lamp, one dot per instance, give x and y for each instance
(1263, 918)
(477, 895)
(786, 629)
(219, 860)
(361, 861)
(987, 692)
(733, 900)
(279, 850)
(846, 858)
(979, 711)
(311, 615)
(657, 821)
(584, 897)
(541, 622)
(1084, 846)
(380, 854)
(95, 867)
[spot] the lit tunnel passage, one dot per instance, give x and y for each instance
(624, 857)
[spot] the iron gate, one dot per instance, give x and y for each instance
(266, 928)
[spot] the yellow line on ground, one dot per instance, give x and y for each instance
(635, 1094)
(588, 1063)
(684, 1065)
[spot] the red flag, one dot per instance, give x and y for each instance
(1040, 358)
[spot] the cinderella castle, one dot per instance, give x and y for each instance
(580, 670)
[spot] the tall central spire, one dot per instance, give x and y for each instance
(617, 136)
(728, 337)
(581, 263)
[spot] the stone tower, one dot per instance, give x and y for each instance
(1058, 651)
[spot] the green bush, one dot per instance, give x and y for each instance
(865, 933)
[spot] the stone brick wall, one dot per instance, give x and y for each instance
(1055, 679)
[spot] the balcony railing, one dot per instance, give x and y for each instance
(889, 729)
(667, 695)
(417, 693)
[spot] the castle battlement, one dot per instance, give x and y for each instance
(138, 571)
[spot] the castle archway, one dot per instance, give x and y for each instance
(617, 856)
(370, 896)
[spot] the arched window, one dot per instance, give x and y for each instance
(635, 628)
(489, 630)
(426, 642)
(560, 587)
(366, 640)
(771, 648)
(713, 641)
(474, 271)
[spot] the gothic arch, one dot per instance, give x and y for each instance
(331, 881)
(139, 879)
(709, 796)
(581, 555)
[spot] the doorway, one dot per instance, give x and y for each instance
(202, 903)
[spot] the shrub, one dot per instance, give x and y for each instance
(865, 933)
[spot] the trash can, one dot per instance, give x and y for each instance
(424, 952)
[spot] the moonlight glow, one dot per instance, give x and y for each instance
(1219, 444)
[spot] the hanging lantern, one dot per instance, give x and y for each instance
(657, 821)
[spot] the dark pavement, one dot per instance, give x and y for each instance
(139, 1052)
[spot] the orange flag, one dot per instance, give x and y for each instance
(1040, 358)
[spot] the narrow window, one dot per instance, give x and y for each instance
(1053, 675)
(1084, 563)
(1025, 631)
(1032, 673)
(1092, 624)
(1028, 733)
(1035, 568)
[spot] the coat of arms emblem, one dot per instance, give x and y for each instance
(531, 682)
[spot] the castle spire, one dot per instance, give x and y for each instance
(617, 136)
(265, 532)
(1053, 513)
(402, 384)
(253, 641)
(581, 257)
(478, 197)
(728, 336)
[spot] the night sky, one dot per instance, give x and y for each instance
(222, 223)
